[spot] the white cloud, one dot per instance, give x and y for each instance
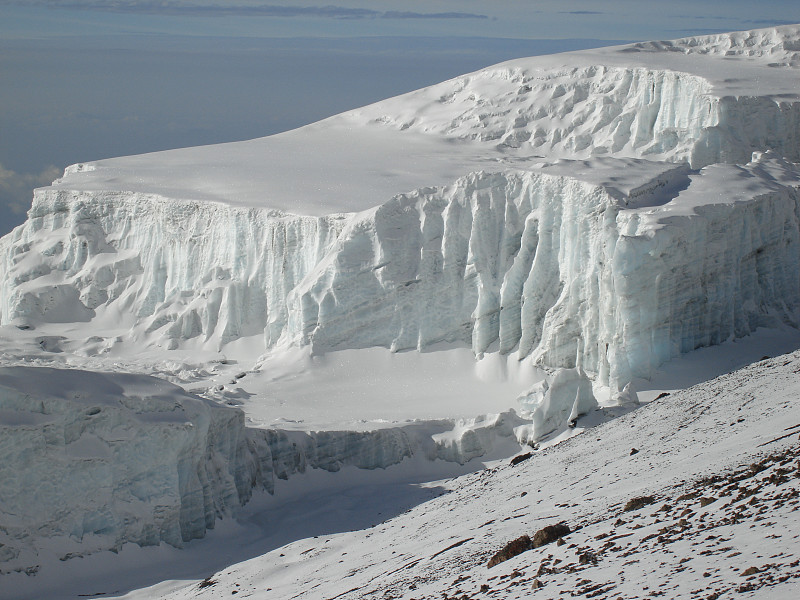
(16, 189)
(243, 8)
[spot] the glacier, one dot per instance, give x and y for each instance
(94, 460)
(555, 267)
(585, 216)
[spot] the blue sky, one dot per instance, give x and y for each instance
(88, 79)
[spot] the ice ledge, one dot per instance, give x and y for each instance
(92, 461)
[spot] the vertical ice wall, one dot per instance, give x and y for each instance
(545, 265)
(177, 270)
(101, 459)
(556, 269)
(583, 111)
(92, 461)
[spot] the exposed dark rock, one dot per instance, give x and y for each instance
(550, 534)
(510, 550)
(638, 502)
(520, 458)
(207, 582)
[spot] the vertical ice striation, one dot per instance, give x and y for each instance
(597, 110)
(185, 270)
(92, 461)
(549, 265)
(101, 459)
(555, 268)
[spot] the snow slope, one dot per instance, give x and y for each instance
(720, 461)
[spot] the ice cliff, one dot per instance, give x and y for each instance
(503, 250)
(100, 459)
(93, 460)
(619, 275)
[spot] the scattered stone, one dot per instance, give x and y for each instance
(521, 458)
(638, 503)
(705, 501)
(510, 550)
(560, 542)
(485, 587)
(633, 451)
(549, 534)
(750, 571)
(587, 558)
(537, 584)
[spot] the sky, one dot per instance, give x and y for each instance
(89, 79)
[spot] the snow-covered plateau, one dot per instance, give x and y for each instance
(398, 293)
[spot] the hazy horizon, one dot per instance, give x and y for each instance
(96, 80)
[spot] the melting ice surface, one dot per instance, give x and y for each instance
(441, 276)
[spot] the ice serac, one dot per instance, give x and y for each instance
(558, 403)
(550, 218)
(92, 461)
(100, 459)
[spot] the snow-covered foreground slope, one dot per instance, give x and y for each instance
(720, 461)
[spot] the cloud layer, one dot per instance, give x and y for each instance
(245, 9)
(16, 189)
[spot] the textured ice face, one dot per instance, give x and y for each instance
(100, 459)
(620, 275)
(92, 461)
